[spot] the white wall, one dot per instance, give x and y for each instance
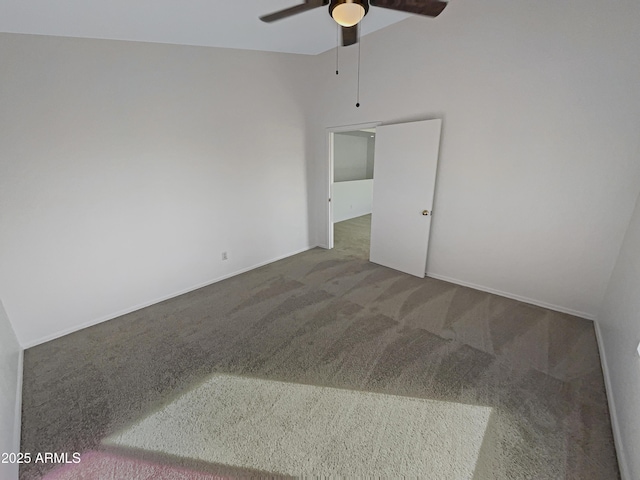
(541, 112)
(125, 171)
(350, 157)
(619, 335)
(351, 199)
(10, 383)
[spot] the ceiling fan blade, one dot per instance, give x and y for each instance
(430, 8)
(287, 12)
(349, 35)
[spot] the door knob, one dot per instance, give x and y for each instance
(425, 212)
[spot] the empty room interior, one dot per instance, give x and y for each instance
(190, 287)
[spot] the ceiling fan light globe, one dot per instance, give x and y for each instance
(348, 14)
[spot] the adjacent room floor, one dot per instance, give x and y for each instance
(281, 370)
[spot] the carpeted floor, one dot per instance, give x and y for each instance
(353, 237)
(294, 429)
(397, 374)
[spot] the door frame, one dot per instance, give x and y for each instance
(330, 131)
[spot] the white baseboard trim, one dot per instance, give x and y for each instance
(17, 426)
(62, 333)
(617, 439)
(512, 296)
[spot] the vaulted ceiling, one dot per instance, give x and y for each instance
(216, 23)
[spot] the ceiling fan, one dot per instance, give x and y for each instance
(348, 13)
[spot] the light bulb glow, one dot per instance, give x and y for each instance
(348, 14)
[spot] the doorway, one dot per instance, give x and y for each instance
(352, 168)
(395, 218)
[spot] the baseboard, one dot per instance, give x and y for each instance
(62, 333)
(617, 439)
(17, 426)
(520, 298)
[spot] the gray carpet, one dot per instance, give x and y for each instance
(316, 320)
(353, 237)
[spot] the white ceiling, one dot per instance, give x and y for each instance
(216, 23)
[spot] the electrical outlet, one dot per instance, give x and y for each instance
(225, 256)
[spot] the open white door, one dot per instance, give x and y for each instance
(406, 159)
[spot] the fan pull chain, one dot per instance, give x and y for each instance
(358, 90)
(337, 45)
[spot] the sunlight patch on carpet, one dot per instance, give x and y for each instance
(295, 429)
